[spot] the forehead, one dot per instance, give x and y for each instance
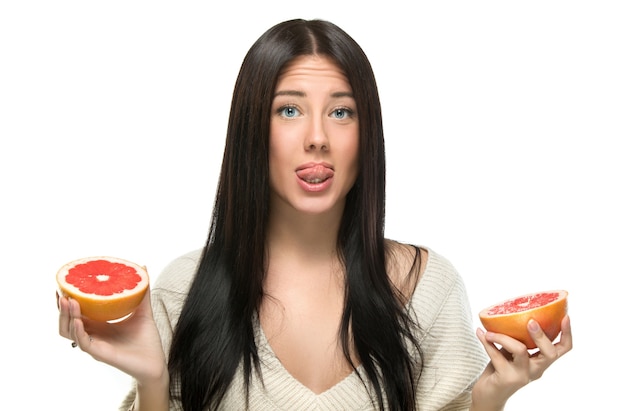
(312, 66)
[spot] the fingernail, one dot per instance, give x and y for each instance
(533, 325)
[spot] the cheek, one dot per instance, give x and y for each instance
(352, 149)
(350, 157)
(278, 161)
(279, 141)
(274, 166)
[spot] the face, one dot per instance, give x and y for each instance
(314, 138)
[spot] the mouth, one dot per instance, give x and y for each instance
(315, 173)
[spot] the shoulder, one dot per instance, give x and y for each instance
(404, 266)
(440, 294)
(439, 278)
(178, 274)
(169, 292)
(170, 289)
(439, 269)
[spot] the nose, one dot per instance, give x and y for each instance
(316, 137)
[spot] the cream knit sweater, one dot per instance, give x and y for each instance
(453, 356)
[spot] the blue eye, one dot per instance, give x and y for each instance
(289, 111)
(342, 113)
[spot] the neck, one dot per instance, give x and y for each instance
(302, 255)
(308, 237)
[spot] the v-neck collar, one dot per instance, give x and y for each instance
(287, 392)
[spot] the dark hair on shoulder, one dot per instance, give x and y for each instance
(215, 331)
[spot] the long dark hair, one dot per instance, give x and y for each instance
(215, 331)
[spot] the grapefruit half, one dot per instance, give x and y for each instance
(511, 316)
(106, 288)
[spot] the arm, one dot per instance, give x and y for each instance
(152, 395)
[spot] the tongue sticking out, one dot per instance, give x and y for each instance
(316, 174)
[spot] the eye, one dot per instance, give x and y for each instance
(288, 111)
(342, 113)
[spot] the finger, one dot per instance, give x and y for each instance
(495, 355)
(82, 338)
(549, 352)
(566, 343)
(74, 308)
(64, 317)
(509, 344)
(74, 314)
(144, 306)
(513, 352)
(78, 334)
(546, 348)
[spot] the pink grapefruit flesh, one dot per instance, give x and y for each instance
(511, 316)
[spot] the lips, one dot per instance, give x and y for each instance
(315, 173)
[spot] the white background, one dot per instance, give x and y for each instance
(505, 125)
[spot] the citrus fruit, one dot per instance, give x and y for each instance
(106, 288)
(511, 316)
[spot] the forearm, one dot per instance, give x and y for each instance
(153, 395)
(483, 404)
(474, 407)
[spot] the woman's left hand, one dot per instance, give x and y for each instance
(512, 366)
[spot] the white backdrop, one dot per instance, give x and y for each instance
(503, 128)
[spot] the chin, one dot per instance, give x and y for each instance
(321, 208)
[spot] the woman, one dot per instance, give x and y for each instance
(297, 301)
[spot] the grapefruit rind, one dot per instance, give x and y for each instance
(114, 307)
(514, 324)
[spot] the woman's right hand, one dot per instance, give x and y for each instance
(132, 345)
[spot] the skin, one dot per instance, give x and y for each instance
(133, 346)
(314, 122)
(512, 367)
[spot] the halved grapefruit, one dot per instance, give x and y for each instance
(511, 316)
(106, 288)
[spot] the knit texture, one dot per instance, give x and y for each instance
(453, 358)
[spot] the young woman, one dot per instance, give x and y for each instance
(298, 301)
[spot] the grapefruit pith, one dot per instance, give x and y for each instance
(511, 316)
(106, 288)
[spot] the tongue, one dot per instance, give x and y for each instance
(315, 173)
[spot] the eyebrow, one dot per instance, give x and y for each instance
(296, 93)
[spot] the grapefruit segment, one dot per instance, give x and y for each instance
(106, 288)
(511, 316)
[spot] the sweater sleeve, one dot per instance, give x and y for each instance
(453, 357)
(168, 297)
